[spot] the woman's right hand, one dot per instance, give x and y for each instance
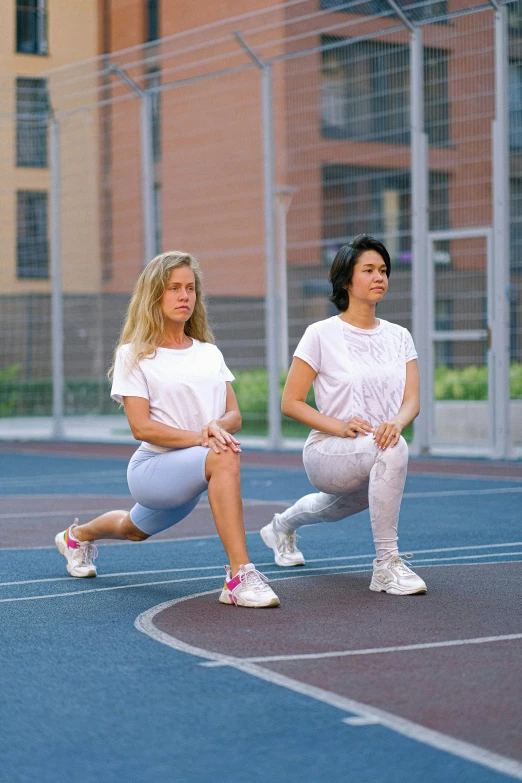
(356, 426)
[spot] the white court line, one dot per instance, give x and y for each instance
(373, 650)
(363, 712)
(250, 502)
(203, 503)
(413, 560)
(303, 573)
(456, 492)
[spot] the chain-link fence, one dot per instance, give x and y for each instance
(262, 144)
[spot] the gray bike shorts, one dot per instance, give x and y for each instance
(166, 486)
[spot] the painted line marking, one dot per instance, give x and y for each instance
(360, 721)
(277, 578)
(203, 503)
(465, 750)
(373, 650)
(252, 502)
(269, 564)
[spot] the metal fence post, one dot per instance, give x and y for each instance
(147, 177)
(271, 309)
(58, 432)
(271, 293)
(499, 368)
(419, 241)
(147, 164)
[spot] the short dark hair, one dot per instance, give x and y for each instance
(341, 272)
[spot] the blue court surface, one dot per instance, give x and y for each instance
(141, 675)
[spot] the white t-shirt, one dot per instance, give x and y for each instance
(360, 372)
(185, 388)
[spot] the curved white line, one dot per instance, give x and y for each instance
(364, 713)
(277, 578)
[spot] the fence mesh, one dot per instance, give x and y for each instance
(342, 165)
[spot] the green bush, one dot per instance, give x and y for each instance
(33, 397)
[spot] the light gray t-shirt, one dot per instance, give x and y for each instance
(185, 388)
(360, 372)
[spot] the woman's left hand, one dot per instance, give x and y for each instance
(221, 437)
(387, 434)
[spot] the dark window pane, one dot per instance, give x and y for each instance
(413, 10)
(377, 201)
(516, 224)
(32, 245)
(365, 92)
(515, 104)
(31, 122)
(152, 26)
(31, 27)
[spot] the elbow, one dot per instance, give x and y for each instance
(286, 408)
(138, 432)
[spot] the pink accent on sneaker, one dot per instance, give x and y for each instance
(71, 542)
(231, 584)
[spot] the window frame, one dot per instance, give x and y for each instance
(31, 125)
(27, 239)
(32, 14)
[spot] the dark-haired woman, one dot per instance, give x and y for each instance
(366, 384)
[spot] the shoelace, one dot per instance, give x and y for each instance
(289, 543)
(88, 552)
(399, 562)
(254, 579)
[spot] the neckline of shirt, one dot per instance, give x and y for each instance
(179, 350)
(357, 329)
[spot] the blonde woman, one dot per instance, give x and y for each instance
(177, 394)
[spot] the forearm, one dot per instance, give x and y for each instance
(304, 413)
(408, 411)
(230, 421)
(163, 435)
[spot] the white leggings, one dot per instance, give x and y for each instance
(352, 475)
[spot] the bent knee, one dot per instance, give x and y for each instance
(399, 452)
(226, 460)
(129, 530)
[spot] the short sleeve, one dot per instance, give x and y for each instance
(309, 348)
(225, 372)
(128, 380)
(409, 347)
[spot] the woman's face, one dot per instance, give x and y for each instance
(179, 298)
(369, 281)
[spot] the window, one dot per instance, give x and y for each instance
(154, 80)
(32, 245)
(31, 122)
(515, 104)
(516, 224)
(31, 26)
(377, 201)
(417, 13)
(514, 11)
(365, 92)
(152, 20)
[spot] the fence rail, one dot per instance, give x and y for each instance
(262, 144)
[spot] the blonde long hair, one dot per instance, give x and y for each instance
(144, 326)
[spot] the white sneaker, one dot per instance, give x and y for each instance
(284, 546)
(393, 576)
(248, 588)
(79, 554)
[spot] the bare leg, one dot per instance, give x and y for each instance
(224, 495)
(113, 524)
